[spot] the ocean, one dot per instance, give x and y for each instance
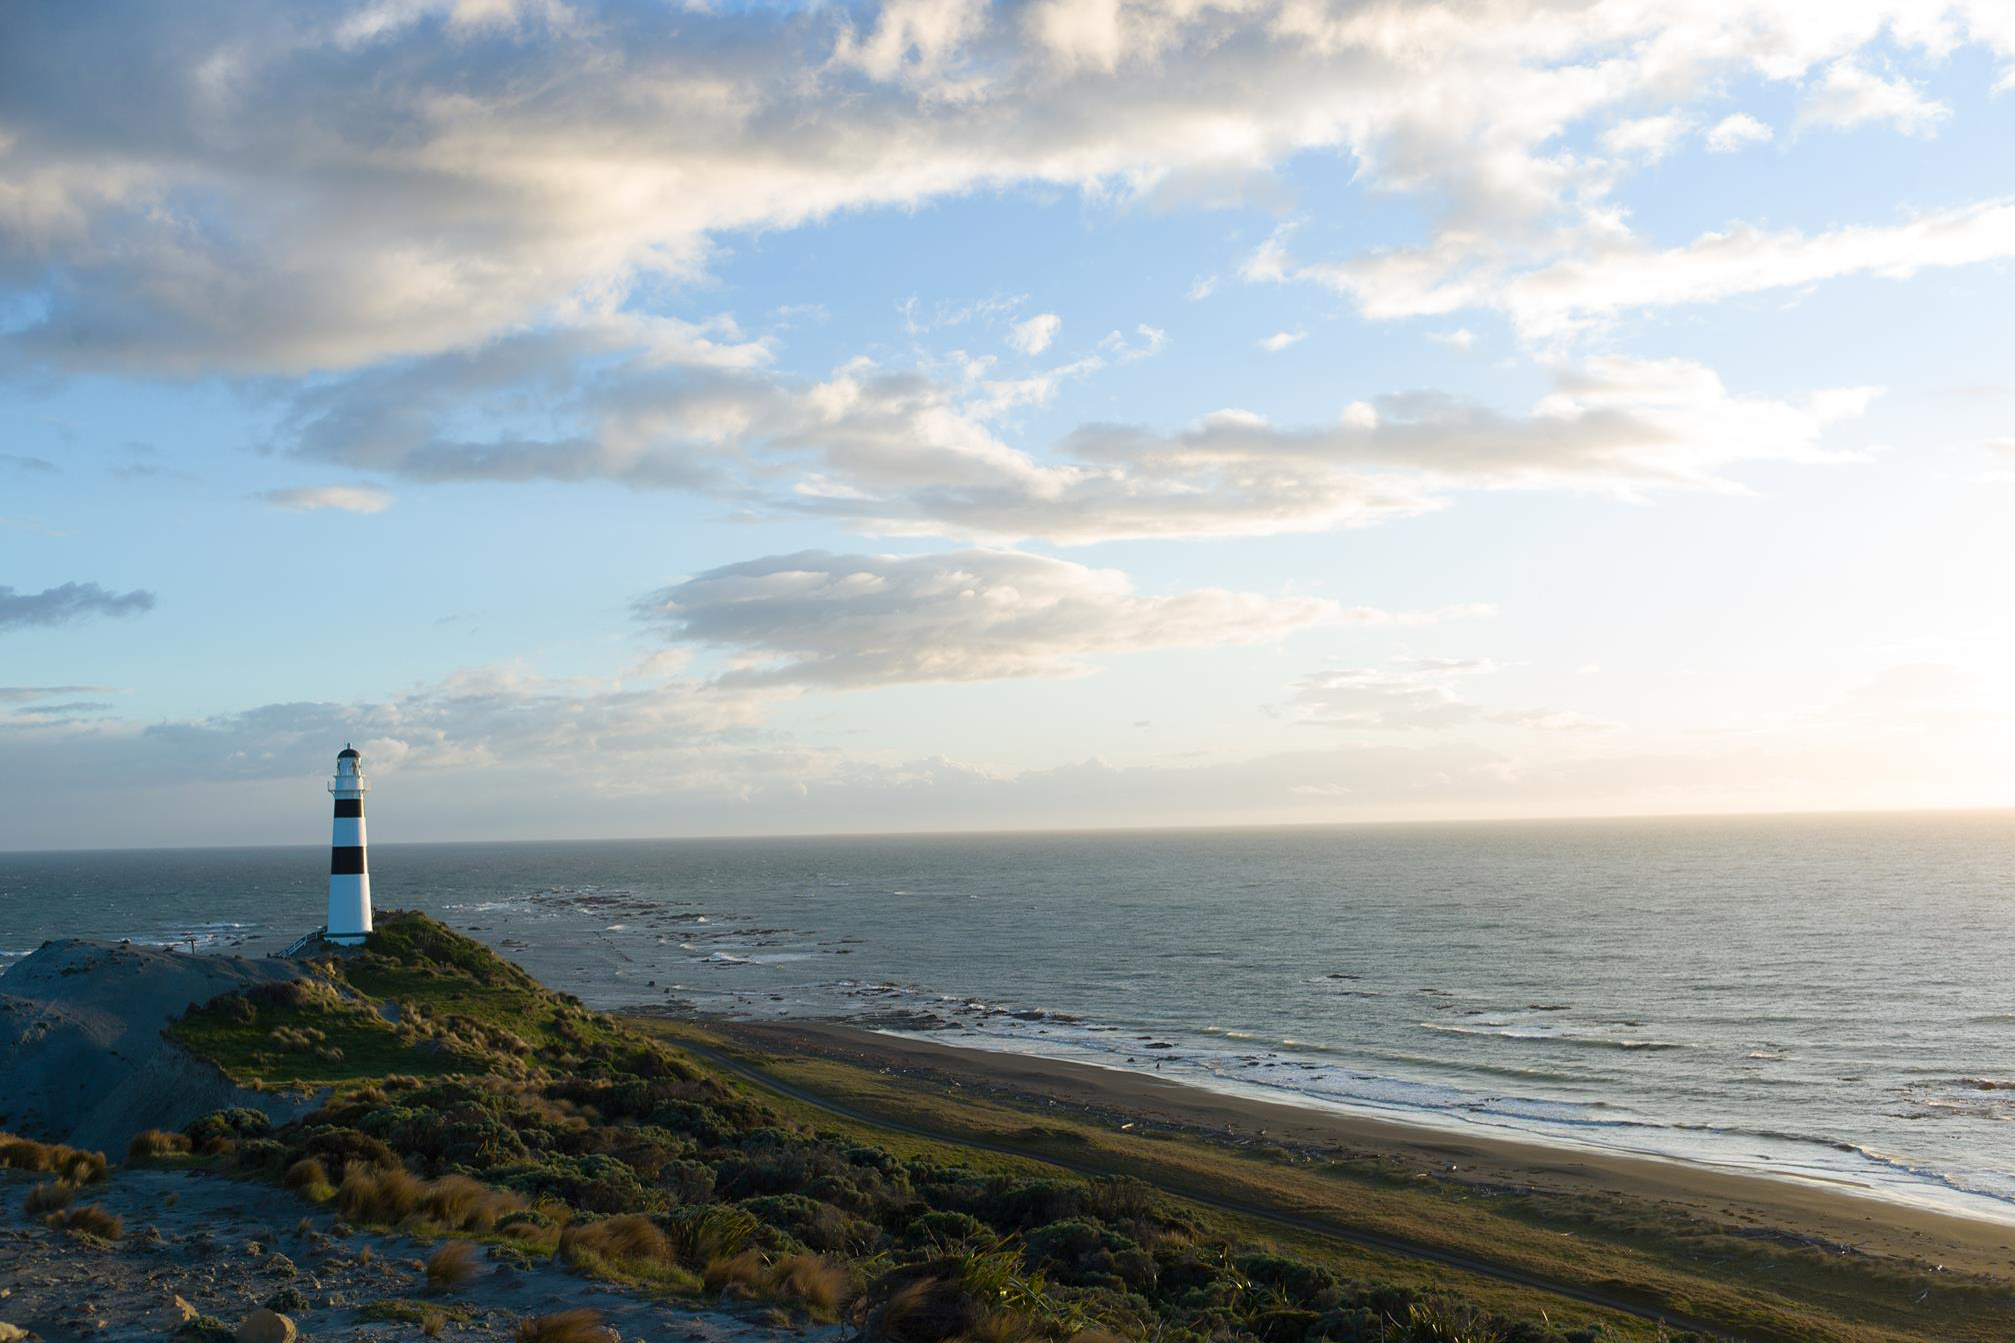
(1824, 998)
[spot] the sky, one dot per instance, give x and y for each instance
(635, 418)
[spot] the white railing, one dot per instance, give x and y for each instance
(303, 942)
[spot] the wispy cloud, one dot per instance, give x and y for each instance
(344, 498)
(1850, 95)
(816, 618)
(1034, 335)
(67, 604)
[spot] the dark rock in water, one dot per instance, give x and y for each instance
(82, 1050)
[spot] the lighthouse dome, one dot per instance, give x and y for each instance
(347, 753)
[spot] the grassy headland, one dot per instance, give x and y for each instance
(468, 1100)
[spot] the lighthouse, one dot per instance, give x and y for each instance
(349, 874)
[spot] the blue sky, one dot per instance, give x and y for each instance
(627, 419)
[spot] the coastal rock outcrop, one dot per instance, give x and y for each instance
(81, 1044)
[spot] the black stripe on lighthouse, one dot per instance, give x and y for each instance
(346, 860)
(349, 806)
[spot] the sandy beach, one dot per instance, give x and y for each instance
(1839, 1215)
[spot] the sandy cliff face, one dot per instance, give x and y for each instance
(81, 1047)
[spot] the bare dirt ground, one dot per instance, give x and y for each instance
(228, 1247)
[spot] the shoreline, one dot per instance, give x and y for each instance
(1843, 1214)
(1911, 1188)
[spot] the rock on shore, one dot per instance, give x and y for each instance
(81, 1044)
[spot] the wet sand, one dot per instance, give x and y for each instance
(1839, 1214)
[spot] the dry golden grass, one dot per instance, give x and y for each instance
(77, 1167)
(452, 1265)
(568, 1326)
(309, 1177)
(47, 1198)
(812, 1281)
(156, 1142)
(93, 1220)
(625, 1248)
(397, 1197)
(742, 1274)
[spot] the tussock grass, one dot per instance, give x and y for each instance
(78, 1167)
(93, 1220)
(625, 1248)
(395, 1196)
(812, 1281)
(53, 1196)
(451, 1266)
(567, 1326)
(309, 1178)
(154, 1143)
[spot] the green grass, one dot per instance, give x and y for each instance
(429, 1317)
(369, 1047)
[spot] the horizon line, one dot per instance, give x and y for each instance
(1038, 831)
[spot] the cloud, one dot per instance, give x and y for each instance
(314, 187)
(1608, 275)
(21, 694)
(1611, 424)
(1414, 695)
(67, 603)
(1459, 339)
(1280, 340)
(1647, 138)
(816, 618)
(1739, 130)
(1850, 96)
(896, 452)
(1034, 335)
(346, 498)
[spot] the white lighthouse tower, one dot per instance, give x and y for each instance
(349, 873)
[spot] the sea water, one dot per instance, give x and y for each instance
(1823, 998)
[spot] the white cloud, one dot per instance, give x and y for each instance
(1034, 335)
(1850, 95)
(899, 453)
(1604, 276)
(1280, 340)
(1459, 339)
(815, 618)
(1737, 131)
(1415, 695)
(335, 186)
(346, 498)
(1648, 138)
